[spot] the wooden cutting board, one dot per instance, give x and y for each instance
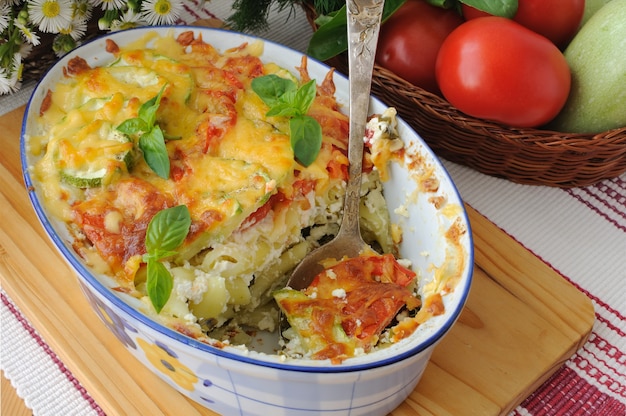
(522, 320)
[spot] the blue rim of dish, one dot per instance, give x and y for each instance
(87, 275)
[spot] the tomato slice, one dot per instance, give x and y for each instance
(349, 305)
(375, 290)
(116, 221)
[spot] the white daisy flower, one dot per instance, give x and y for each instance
(10, 2)
(76, 29)
(157, 12)
(28, 35)
(128, 20)
(50, 15)
(110, 4)
(82, 10)
(10, 80)
(5, 82)
(4, 16)
(25, 49)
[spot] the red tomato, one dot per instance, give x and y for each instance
(410, 39)
(558, 20)
(496, 69)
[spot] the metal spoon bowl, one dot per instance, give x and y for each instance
(364, 17)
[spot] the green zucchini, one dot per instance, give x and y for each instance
(97, 166)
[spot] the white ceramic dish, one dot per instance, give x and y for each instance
(248, 382)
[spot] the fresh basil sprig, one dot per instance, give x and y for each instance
(166, 232)
(151, 140)
(285, 98)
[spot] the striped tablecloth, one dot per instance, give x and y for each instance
(580, 233)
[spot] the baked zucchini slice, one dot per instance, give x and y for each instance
(95, 155)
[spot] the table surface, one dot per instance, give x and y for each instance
(579, 232)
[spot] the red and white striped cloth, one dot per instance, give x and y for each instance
(580, 233)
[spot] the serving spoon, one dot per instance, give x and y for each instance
(364, 17)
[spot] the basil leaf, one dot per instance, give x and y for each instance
(152, 144)
(271, 87)
(284, 110)
(504, 8)
(133, 126)
(159, 284)
(306, 138)
(152, 141)
(286, 99)
(304, 97)
(158, 255)
(147, 111)
(167, 230)
(331, 38)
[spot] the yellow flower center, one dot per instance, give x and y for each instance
(51, 9)
(81, 9)
(162, 7)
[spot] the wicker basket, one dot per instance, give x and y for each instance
(529, 156)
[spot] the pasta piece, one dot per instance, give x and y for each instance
(215, 300)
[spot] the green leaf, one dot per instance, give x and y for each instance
(504, 8)
(331, 38)
(158, 255)
(444, 4)
(133, 126)
(271, 87)
(283, 110)
(152, 141)
(167, 231)
(147, 111)
(152, 144)
(159, 284)
(306, 138)
(304, 97)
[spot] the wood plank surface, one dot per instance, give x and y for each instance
(12, 404)
(522, 320)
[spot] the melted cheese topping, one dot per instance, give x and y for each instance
(226, 157)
